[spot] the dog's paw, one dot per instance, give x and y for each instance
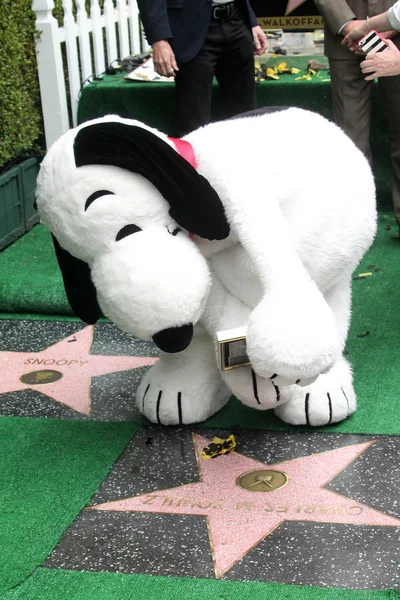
(251, 389)
(329, 400)
(292, 343)
(179, 398)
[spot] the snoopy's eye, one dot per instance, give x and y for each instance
(127, 230)
(96, 195)
(175, 231)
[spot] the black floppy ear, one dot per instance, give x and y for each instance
(79, 287)
(194, 203)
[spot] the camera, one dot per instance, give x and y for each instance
(232, 349)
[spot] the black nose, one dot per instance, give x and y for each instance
(174, 339)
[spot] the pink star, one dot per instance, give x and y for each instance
(71, 357)
(292, 5)
(239, 519)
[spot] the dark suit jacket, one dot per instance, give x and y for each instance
(184, 23)
(337, 12)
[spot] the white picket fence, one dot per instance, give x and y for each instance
(91, 42)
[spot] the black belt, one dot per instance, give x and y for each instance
(223, 12)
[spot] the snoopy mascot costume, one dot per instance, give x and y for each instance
(176, 240)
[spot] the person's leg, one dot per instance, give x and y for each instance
(193, 88)
(351, 100)
(390, 93)
(193, 83)
(235, 68)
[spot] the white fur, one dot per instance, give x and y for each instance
(300, 222)
(194, 375)
(136, 301)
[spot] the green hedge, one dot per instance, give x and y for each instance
(21, 126)
(20, 113)
(58, 12)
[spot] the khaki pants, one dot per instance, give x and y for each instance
(351, 98)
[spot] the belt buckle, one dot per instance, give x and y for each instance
(222, 12)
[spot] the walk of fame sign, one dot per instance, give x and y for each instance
(328, 503)
(287, 14)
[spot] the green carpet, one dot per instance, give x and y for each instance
(59, 585)
(154, 103)
(30, 280)
(49, 470)
(376, 362)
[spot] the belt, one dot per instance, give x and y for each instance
(223, 12)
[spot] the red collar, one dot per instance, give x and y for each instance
(185, 150)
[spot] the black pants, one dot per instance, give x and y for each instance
(228, 53)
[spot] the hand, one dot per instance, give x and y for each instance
(387, 35)
(292, 340)
(260, 41)
(164, 59)
(353, 32)
(382, 64)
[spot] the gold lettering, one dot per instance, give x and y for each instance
(338, 510)
(51, 361)
(149, 499)
(269, 508)
(248, 505)
(306, 22)
(324, 509)
(218, 504)
(282, 509)
(189, 502)
(358, 510)
(201, 504)
(167, 501)
(310, 509)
